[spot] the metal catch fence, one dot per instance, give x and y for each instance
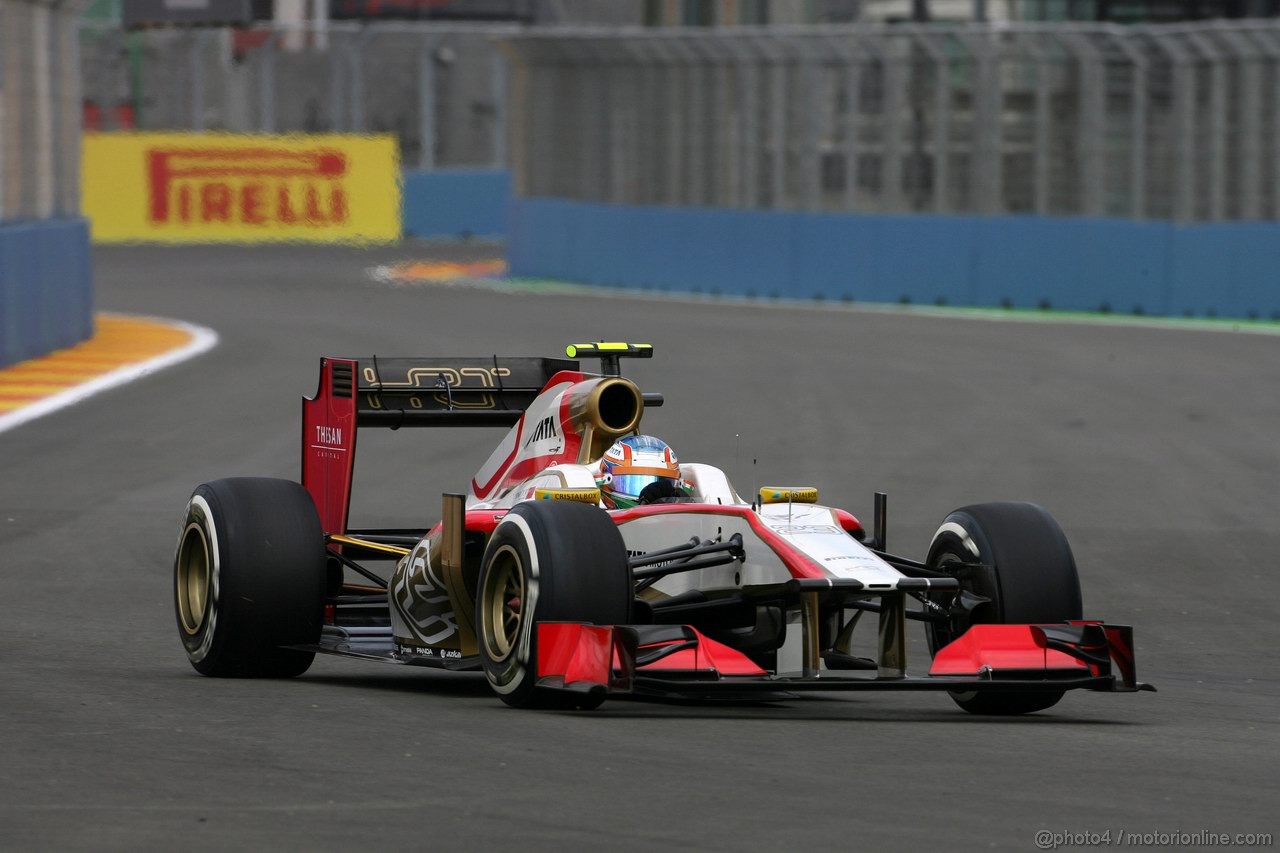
(439, 88)
(1174, 122)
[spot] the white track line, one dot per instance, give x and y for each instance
(202, 340)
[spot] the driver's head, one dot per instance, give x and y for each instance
(639, 469)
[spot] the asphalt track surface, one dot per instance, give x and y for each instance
(1157, 451)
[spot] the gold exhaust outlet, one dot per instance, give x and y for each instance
(612, 408)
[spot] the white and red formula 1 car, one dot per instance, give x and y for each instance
(563, 601)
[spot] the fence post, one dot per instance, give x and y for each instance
(672, 104)
(890, 128)
(589, 125)
(1248, 143)
(17, 76)
(549, 131)
(719, 150)
(853, 108)
(498, 88)
(653, 187)
(1268, 40)
(635, 131)
(71, 107)
(694, 122)
(355, 71)
(57, 70)
(1042, 121)
(1217, 120)
(985, 167)
(939, 173)
(741, 182)
(427, 104)
(6, 93)
(516, 118)
(1092, 131)
(528, 110)
(778, 132)
(1138, 121)
(762, 138)
(599, 149)
(337, 89)
(810, 78)
(894, 64)
(197, 59)
(42, 114)
(1183, 125)
(645, 138)
(267, 116)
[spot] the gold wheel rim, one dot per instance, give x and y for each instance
(193, 579)
(503, 607)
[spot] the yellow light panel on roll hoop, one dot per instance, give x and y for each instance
(575, 350)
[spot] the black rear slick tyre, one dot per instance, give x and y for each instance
(249, 578)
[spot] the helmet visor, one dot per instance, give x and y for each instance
(632, 484)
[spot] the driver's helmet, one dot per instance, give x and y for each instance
(640, 469)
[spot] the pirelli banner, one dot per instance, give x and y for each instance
(230, 188)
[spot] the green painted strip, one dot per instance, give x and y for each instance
(1014, 315)
(997, 315)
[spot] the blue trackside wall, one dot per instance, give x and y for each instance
(456, 202)
(46, 287)
(1230, 269)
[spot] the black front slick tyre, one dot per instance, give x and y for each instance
(1015, 555)
(547, 561)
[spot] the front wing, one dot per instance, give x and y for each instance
(677, 661)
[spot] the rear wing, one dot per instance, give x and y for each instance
(405, 392)
(428, 392)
